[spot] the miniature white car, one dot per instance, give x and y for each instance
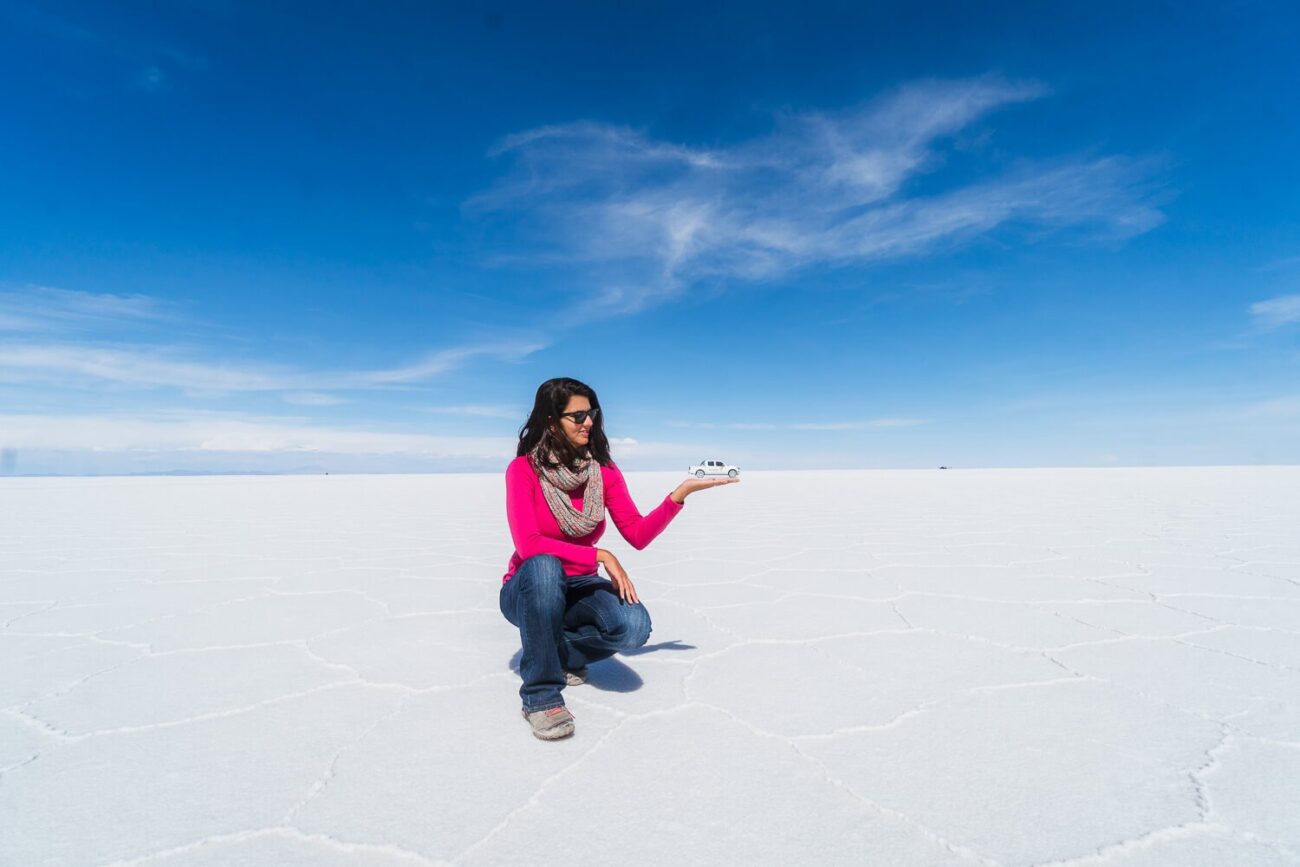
(713, 468)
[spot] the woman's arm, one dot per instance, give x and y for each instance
(521, 484)
(639, 530)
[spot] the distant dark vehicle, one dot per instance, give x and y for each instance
(943, 468)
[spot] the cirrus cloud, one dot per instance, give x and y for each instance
(1276, 312)
(650, 218)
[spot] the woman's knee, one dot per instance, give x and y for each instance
(636, 626)
(541, 577)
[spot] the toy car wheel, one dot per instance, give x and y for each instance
(699, 474)
(732, 473)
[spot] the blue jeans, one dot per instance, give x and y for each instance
(565, 623)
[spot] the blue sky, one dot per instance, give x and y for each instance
(803, 235)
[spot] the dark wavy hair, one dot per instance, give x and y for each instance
(552, 397)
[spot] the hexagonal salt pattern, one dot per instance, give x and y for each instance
(1047, 667)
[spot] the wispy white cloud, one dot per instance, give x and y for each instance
(1287, 406)
(49, 309)
(650, 218)
(806, 426)
(209, 433)
(734, 425)
(66, 337)
(311, 398)
(437, 363)
(857, 425)
(480, 411)
(833, 425)
(1285, 263)
(1276, 312)
(897, 422)
(78, 364)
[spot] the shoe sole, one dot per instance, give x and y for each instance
(554, 734)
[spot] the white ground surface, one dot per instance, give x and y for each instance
(1078, 667)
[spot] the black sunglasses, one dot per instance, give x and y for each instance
(581, 415)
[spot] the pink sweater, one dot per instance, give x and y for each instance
(535, 530)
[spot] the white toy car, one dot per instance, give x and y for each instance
(713, 468)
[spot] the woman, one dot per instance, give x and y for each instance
(557, 491)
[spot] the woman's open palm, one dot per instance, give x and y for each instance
(690, 486)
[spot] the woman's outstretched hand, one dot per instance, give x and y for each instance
(617, 576)
(690, 486)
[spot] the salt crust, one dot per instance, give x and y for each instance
(1065, 667)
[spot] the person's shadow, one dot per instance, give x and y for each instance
(613, 675)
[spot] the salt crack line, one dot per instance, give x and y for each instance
(378, 618)
(297, 644)
(894, 606)
(1178, 640)
(802, 642)
(706, 618)
(83, 637)
(323, 783)
(116, 642)
(1122, 638)
(1154, 597)
(1164, 604)
(135, 624)
(351, 591)
(980, 639)
(305, 646)
(289, 833)
(1198, 775)
(448, 687)
(415, 615)
(26, 761)
(933, 705)
(1004, 600)
(40, 725)
(1143, 695)
(784, 597)
(957, 850)
(535, 798)
(79, 681)
(1142, 843)
(251, 645)
(1235, 596)
(11, 621)
(158, 582)
(965, 853)
(221, 714)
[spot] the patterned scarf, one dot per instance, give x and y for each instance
(558, 481)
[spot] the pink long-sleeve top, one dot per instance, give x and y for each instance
(535, 530)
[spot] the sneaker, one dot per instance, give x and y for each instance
(575, 678)
(551, 724)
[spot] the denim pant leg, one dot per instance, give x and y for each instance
(597, 624)
(533, 600)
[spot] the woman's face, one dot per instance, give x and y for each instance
(579, 435)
